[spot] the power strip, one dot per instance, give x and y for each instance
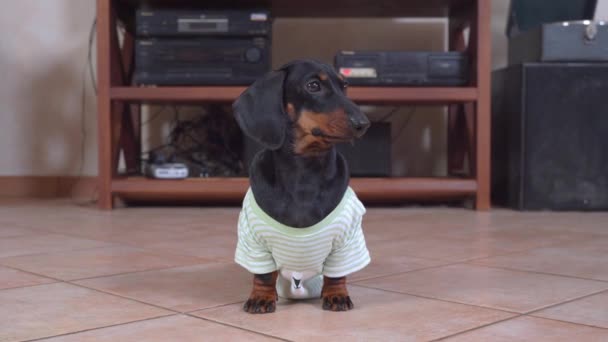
(167, 171)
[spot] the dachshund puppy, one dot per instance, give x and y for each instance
(299, 230)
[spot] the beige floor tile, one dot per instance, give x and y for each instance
(218, 247)
(184, 288)
(206, 241)
(585, 259)
(390, 260)
(10, 230)
(131, 227)
(439, 248)
(489, 287)
(53, 309)
(165, 329)
(96, 262)
(518, 239)
(44, 243)
(378, 316)
(403, 224)
(10, 278)
(526, 329)
(592, 310)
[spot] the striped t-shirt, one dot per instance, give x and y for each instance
(334, 247)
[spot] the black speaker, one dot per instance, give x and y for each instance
(550, 136)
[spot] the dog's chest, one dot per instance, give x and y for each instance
(302, 210)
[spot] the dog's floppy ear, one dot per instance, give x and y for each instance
(259, 110)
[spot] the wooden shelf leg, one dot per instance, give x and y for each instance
(459, 147)
(456, 138)
(481, 31)
(104, 110)
(130, 142)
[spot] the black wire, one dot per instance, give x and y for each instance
(404, 125)
(154, 115)
(172, 134)
(389, 114)
(90, 55)
(175, 116)
(83, 116)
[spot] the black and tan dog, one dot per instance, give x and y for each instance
(299, 181)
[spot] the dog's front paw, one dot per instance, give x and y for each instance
(260, 304)
(335, 295)
(263, 297)
(339, 302)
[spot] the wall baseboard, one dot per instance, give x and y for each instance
(48, 186)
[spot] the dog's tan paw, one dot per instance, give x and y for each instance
(260, 304)
(337, 303)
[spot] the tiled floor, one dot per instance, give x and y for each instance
(73, 273)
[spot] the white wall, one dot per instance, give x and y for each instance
(43, 47)
(601, 12)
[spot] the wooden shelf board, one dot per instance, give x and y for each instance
(320, 8)
(233, 189)
(368, 95)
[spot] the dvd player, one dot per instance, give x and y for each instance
(175, 23)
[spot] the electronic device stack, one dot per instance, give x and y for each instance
(202, 47)
(550, 149)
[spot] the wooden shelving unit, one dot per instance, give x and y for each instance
(364, 95)
(469, 114)
(226, 189)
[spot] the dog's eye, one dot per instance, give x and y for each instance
(344, 85)
(313, 86)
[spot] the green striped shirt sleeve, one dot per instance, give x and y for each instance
(251, 253)
(351, 255)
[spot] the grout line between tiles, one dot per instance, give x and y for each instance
(60, 251)
(506, 253)
(213, 307)
(531, 312)
(440, 299)
(236, 326)
(57, 280)
(538, 272)
(471, 263)
(200, 261)
(99, 328)
(170, 311)
(476, 328)
(123, 297)
(450, 263)
(152, 304)
(569, 322)
(97, 290)
(30, 285)
(400, 273)
(140, 271)
(447, 263)
(409, 271)
(42, 231)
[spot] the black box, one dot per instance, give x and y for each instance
(526, 15)
(403, 68)
(550, 136)
(201, 61)
(163, 22)
(575, 41)
(370, 156)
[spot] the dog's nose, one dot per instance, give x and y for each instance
(360, 125)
